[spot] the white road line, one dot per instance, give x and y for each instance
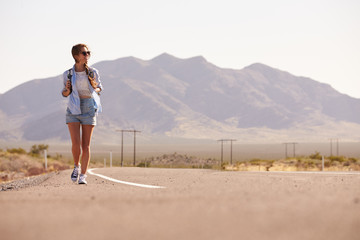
(316, 172)
(122, 182)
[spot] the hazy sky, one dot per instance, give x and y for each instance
(319, 39)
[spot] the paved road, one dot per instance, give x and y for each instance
(194, 204)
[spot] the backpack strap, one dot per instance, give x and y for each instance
(69, 74)
(91, 74)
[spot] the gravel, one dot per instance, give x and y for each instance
(25, 182)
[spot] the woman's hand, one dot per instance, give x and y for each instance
(66, 92)
(97, 90)
(94, 84)
(68, 85)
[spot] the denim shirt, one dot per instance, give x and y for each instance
(74, 99)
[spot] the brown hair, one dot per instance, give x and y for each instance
(76, 50)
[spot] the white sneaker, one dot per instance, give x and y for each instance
(82, 179)
(75, 173)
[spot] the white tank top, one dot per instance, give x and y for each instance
(82, 84)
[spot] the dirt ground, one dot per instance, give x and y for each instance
(195, 204)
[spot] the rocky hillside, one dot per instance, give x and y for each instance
(188, 98)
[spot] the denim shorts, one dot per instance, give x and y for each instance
(88, 113)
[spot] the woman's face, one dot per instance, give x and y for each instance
(83, 56)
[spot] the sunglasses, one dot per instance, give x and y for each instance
(86, 53)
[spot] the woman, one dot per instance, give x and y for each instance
(82, 86)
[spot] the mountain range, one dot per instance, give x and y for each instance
(188, 98)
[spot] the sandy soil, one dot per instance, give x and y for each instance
(196, 204)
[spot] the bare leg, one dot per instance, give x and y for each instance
(74, 129)
(87, 131)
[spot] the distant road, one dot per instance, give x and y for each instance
(191, 204)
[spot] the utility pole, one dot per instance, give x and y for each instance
(135, 144)
(294, 148)
(286, 151)
(231, 143)
(122, 143)
(330, 147)
(337, 146)
(222, 144)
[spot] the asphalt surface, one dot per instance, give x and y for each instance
(192, 204)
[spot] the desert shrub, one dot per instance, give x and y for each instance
(207, 166)
(143, 164)
(257, 161)
(337, 158)
(262, 162)
(16, 150)
(223, 165)
(300, 158)
(57, 157)
(37, 149)
(292, 160)
(346, 164)
(311, 163)
(353, 160)
(316, 155)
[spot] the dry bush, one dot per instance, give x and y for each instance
(15, 166)
(311, 163)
